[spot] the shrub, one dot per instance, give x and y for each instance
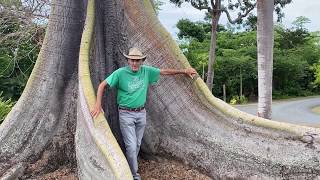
(238, 100)
(5, 107)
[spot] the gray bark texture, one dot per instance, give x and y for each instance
(265, 56)
(184, 121)
(39, 131)
(213, 46)
(184, 125)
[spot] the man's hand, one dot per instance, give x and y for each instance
(190, 72)
(96, 110)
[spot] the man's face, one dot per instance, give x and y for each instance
(135, 64)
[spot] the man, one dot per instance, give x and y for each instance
(132, 84)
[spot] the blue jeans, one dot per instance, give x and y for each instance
(132, 125)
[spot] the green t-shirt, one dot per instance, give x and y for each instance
(133, 86)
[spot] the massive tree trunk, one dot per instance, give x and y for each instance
(39, 131)
(185, 122)
(265, 56)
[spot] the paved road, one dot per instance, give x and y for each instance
(296, 111)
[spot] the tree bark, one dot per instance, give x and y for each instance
(185, 122)
(39, 131)
(212, 53)
(265, 56)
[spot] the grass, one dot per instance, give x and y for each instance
(316, 109)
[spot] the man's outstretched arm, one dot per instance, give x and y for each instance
(189, 71)
(97, 107)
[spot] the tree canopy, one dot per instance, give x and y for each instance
(296, 60)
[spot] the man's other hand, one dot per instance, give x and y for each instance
(190, 72)
(96, 110)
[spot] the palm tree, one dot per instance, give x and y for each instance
(265, 56)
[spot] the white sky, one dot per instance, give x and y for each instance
(170, 14)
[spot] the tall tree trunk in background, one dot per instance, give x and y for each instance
(265, 56)
(213, 45)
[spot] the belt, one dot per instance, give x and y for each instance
(132, 109)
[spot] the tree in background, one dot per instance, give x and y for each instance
(296, 55)
(18, 52)
(316, 66)
(200, 30)
(300, 21)
(22, 26)
(236, 57)
(251, 23)
(265, 56)
(188, 29)
(215, 8)
(317, 75)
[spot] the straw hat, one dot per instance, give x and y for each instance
(134, 53)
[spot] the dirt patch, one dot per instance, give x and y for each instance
(164, 169)
(155, 169)
(61, 174)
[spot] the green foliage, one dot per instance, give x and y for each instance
(300, 22)
(19, 48)
(189, 29)
(236, 54)
(251, 23)
(295, 55)
(238, 100)
(291, 38)
(279, 5)
(236, 59)
(157, 5)
(5, 107)
(317, 75)
(196, 30)
(296, 69)
(197, 52)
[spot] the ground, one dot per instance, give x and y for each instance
(61, 174)
(164, 169)
(160, 169)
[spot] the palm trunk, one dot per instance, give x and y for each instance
(265, 56)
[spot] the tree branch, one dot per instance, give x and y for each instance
(240, 15)
(199, 5)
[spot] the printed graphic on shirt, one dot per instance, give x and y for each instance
(134, 84)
